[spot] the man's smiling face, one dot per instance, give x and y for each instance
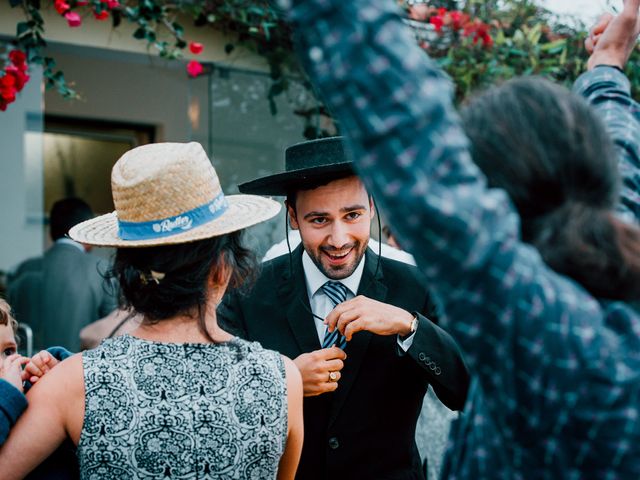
(334, 222)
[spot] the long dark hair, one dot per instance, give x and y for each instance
(548, 149)
(185, 270)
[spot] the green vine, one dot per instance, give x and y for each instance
(477, 42)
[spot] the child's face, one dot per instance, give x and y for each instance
(8, 344)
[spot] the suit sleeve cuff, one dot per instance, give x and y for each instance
(405, 344)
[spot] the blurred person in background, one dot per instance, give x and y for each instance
(65, 289)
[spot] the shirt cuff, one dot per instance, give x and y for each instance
(405, 344)
(603, 74)
(13, 401)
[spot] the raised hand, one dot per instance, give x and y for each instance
(320, 370)
(38, 365)
(613, 39)
(11, 370)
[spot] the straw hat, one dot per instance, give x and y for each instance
(169, 193)
(306, 162)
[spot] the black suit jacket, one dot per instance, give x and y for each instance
(366, 428)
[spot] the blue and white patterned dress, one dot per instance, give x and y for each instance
(187, 411)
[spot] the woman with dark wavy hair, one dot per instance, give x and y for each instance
(178, 397)
(533, 256)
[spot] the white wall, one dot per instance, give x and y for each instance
(123, 87)
(21, 193)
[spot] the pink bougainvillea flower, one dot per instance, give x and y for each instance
(111, 4)
(73, 19)
(196, 48)
(194, 68)
(62, 7)
(103, 15)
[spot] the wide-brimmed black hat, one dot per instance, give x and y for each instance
(305, 163)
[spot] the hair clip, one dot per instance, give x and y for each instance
(152, 277)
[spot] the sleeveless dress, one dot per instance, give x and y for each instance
(182, 411)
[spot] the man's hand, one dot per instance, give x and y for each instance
(11, 370)
(613, 39)
(320, 370)
(362, 313)
(38, 365)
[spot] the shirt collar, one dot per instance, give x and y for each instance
(316, 279)
(68, 241)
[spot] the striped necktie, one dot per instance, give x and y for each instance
(337, 293)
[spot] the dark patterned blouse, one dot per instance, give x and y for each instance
(162, 410)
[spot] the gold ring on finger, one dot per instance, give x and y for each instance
(333, 376)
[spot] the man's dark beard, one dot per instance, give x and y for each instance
(338, 273)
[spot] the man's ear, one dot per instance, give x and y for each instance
(293, 219)
(372, 207)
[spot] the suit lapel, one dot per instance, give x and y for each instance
(371, 286)
(294, 299)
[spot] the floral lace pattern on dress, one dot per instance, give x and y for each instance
(187, 411)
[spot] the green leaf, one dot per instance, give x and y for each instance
(140, 33)
(22, 28)
(179, 30)
(554, 47)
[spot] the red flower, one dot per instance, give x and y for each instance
(458, 20)
(3, 105)
(437, 21)
(480, 32)
(103, 15)
(73, 19)
(82, 3)
(8, 94)
(111, 4)
(442, 11)
(62, 7)
(196, 48)
(20, 78)
(17, 57)
(7, 81)
(194, 68)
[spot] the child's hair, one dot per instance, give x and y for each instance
(6, 318)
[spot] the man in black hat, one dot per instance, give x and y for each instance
(362, 397)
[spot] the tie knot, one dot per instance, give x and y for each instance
(336, 291)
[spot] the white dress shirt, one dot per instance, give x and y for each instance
(321, 304)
